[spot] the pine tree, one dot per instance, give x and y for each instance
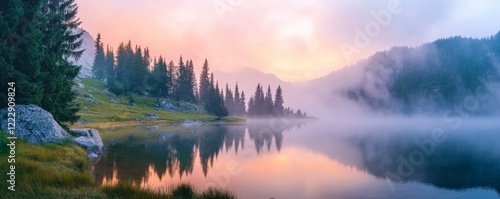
(221, 110)
(124, 65)
(171, 78)
(184, 89)
(109, 65)
(160, 77)
(259, 101)
(59, 43)
(251, 107)
(98, 68)
(237, 101)
(268, 105)
(229, 101)
(192, 83)
(278, 102)
(20, 51)
(243, 107)
(138, 71)
(204, 83)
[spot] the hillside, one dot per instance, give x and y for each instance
(447, 74)
(99, 106)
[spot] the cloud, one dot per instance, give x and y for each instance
(296, 40)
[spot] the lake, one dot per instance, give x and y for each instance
(386, 158)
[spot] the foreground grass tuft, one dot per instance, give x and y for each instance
(63, 171)
(182, 191)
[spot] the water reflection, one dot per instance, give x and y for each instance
(307, 161)
(460, 160)
(176, 151)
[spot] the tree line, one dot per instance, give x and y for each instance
(36, 38)
(261, 104)
(133, 70)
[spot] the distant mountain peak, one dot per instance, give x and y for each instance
(87, 59)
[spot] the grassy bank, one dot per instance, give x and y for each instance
(62, 171)
(98, 106)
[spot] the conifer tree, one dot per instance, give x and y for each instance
(160, 77)
(238, 104)
(184, 89)
(278, 102)
(243, 107)
(60, 42)
(251, 107)
(204, 83)
(109, 65)
(229, 101)
(268, 105)
(20, 51)
(172, 77)
(98, 68)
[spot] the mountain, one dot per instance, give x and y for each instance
(87, 59)
(455, 74)
(247, 79)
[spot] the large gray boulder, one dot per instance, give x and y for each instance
(89, 139)
(34, 125)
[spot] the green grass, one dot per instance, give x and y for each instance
(182, 191)
(63, 171)
(119, 110)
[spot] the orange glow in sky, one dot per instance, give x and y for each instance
(295, 40)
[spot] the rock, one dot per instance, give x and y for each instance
(89, 139)
(80, 85)
(34, 125)
(151, 114)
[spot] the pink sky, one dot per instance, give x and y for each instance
(295, 40)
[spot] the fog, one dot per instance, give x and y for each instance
(362, 90)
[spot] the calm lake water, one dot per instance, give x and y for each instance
(295, 160)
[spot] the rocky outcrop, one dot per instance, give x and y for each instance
(90, 140)
(34, 125)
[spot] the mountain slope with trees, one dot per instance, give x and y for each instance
(456, 74)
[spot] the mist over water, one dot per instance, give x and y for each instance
(365, 158)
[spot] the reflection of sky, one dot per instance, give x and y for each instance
(301, 169)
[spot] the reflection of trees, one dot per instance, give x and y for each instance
(469, 160)
(174, 152)
(263, 135)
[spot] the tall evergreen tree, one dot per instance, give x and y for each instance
(20, 51)
(278, 102)
(161, 78)
(124, 65)
(59, 43)
(259, 101)
(237, 101)
(269, 104)
(229, 101)
(243, 107)
(251, 107)
(184, 89)
(204, 83)
(172, 77)
(109, 66)
(98, 68)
